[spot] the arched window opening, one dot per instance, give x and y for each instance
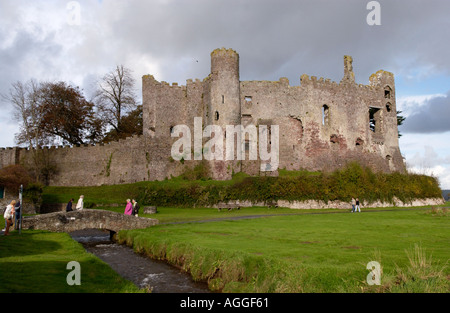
(325, 114)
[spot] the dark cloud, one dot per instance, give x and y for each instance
(274, 38)
(431, 117)
(287, 37)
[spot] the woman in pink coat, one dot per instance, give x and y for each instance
(128, 208)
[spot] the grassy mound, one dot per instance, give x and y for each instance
(352, 181)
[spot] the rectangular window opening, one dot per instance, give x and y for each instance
(374, 119)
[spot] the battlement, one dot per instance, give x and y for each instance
(190, 83)
(381, 78)
(283, 81)
(306, 80)
(223, 52)
(77, 146)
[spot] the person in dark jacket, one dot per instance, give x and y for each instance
(17, 215)
(357, 207)
(135, 207)
(69, 206)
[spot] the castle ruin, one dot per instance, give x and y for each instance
(323, 125)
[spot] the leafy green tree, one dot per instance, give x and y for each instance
(131, 124)
(400, 120)
(68, 115)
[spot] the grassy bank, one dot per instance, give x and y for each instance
(340, 185)
(36, 261)
(352, 181)
(308, 253)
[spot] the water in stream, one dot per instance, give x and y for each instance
(144, 272)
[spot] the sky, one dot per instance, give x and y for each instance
(80, 41)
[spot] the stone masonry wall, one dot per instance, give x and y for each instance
(322, 126)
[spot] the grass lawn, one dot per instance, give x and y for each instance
(36, 262)
(299, 252)
(308, 253)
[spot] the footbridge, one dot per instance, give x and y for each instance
(86, 219)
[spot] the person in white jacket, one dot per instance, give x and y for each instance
(80, 203)
(8, 216)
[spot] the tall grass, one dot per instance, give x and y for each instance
(421, 275)
(224, 270)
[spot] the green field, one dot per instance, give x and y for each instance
(302, 252)
(36, 262)
(308, 252)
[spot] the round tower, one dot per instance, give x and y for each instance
(224, 105)
(225, 91)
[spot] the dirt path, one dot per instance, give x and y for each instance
(287, 214)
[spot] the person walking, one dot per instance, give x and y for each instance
(69, 205)
(353, 204)
(8, 216)
(128, 208)
(135, 208)
(80, 203)
(357, 208)
(17, 215)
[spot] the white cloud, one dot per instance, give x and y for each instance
(428, 159)
(442, 173)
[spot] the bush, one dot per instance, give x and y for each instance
(13, 176)
(199, 172)
(351, 181)
(33, 192)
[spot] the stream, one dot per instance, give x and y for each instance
(157, 276)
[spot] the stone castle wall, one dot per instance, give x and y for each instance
(322, 126)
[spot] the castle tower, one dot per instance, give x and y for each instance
(225, 106)
(386, 107)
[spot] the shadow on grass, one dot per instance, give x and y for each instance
(25, 244)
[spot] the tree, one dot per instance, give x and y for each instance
(131, 124)
(115, 96)
(12, 176)
(400, 120)
(45, 112)
(68, 115)
(25, 99)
